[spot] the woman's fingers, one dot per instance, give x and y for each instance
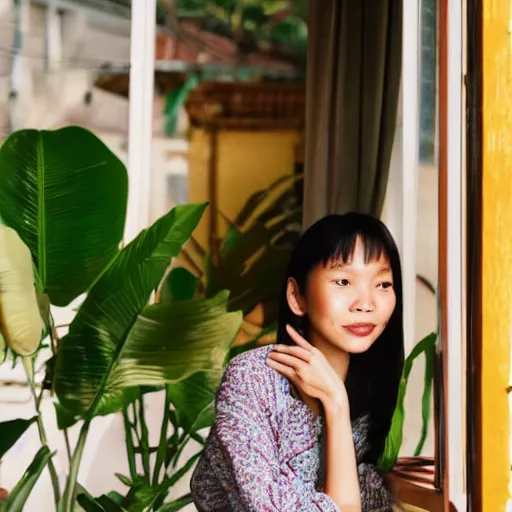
(298, 352)
(288, 360)
(283, 369)
(297, 338)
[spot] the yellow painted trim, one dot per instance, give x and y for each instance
(497, 254)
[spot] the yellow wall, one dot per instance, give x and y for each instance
(246, 162)
(497, 253)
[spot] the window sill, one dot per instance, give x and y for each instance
(412, 482)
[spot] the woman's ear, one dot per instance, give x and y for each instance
(295, 300)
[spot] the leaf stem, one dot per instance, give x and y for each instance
(144, 439)
(130, 448)
(28, 363)
(134, 424)
(68, 445)
(162, 445)
(68, 499)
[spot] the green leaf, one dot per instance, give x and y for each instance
(169, 343)
(20, 320)
(253, 16)
(43, 302)
(428, 381)
(141, 497)
(394, 439)
(232, 237)
(88, 503)
(170, 481)
(253, 261)
(269, 199)
(15, 501)
(109, 504)
(65, 418)
(174, 100)
(193, 400)
(65, 193)
(178, 475)
(115, 497)
(85, 500)
(124, 479)
(177, 504)
(97, 360)
(179, 285)
(11, 431)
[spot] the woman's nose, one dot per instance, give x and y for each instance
(364, 303)
(364, 309)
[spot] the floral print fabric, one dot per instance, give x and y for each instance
(264, 453)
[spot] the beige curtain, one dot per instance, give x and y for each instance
(354, 66)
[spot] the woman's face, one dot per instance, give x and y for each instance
(348, 306)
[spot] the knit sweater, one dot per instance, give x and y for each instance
(264, 452)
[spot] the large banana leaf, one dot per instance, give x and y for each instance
(20, 321)
(96, 359)
(394, 439)
(65, 193)
(192, 397)
(171, 342)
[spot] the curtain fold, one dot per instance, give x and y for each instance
(353, 81)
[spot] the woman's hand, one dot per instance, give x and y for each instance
(310, 371)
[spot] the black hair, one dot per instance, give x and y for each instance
(373, 376)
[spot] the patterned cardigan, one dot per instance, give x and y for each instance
(264, 453)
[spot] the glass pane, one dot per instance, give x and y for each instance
(427, 235)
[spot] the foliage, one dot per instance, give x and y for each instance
(17, 498)
(255, 251)
(57, 189)
(63, 195)
(394, 440)
(276, 25)
(20, 319)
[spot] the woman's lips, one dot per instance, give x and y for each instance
(360, 329)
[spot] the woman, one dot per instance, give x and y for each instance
(300, 425)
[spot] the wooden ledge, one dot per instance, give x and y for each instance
(412, 482)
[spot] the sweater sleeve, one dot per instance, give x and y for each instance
(248, 466)
(375, 497)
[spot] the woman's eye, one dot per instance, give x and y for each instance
(386, 285)
(342, 282)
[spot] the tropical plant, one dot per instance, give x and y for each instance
(63, 197)
(394, 439)
(253, 253)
